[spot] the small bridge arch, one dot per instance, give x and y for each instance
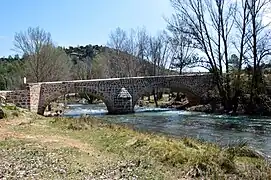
(52, 91)
(52, 96)
(193, 88)
(193, 98)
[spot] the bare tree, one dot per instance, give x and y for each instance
(241, 44)
(158, 55)
(80, 70)
(158, 52)
(117, 39)
(123, 63)
(132, 63)
(44, 62)
(142, 48)
(137, 45)
(130, 45)
(209, 24)
(259, 41)
(181, 45)
(142, 42)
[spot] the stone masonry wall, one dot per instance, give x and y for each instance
(34, 92)
(20, 98)
(51, 91)
(194, 86)
(119, 94)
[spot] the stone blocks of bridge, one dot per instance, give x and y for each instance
(120, 94)
(122, 103)
(35, 100)
(20, 98)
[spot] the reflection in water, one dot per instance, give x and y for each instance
(215, 128)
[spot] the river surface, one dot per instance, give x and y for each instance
(222, 129)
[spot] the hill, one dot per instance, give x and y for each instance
(105, 62)
(85, 62)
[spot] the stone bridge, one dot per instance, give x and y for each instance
(119, 94)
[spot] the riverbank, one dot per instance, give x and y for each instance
(54, 148)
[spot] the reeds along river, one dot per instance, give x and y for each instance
(222, 129)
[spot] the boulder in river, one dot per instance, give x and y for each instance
(83, 101)
(180, 105)
(207, 108)
(142, 103)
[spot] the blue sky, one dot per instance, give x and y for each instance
(79, 22)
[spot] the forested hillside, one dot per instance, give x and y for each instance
(41, 60)
(82, 62)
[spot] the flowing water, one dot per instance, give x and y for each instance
(222, 129)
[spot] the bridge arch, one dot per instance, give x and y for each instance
(192, 96)
(47, 98)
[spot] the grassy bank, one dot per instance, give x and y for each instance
(54, 148)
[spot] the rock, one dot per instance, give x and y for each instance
(2, 114)
(2, 100)
(165, 105)
(201, 108)
(83, 101)
(180, 105)
(140, 103)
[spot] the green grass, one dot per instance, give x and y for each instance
(192, 157)
(102, 148)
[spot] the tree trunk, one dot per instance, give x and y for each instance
(254, 50)
(238, 92)
(49, 107)
(89, 98)
(155, 98)
(178, 97)
(159, 95)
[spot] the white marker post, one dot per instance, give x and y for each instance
(24, 80)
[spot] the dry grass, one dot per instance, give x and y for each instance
(92, 148)
(190, 157)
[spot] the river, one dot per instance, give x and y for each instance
(222, 129)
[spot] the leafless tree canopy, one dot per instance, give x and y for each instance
(117, 39)
(158, 52)
(219, 29)
(181, 46)
(32, 40)
(44, 62)
(141, 47)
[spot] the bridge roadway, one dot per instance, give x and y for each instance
(119, 94)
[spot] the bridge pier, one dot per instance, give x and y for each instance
(122, 104)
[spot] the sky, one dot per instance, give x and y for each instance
(79, 22)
